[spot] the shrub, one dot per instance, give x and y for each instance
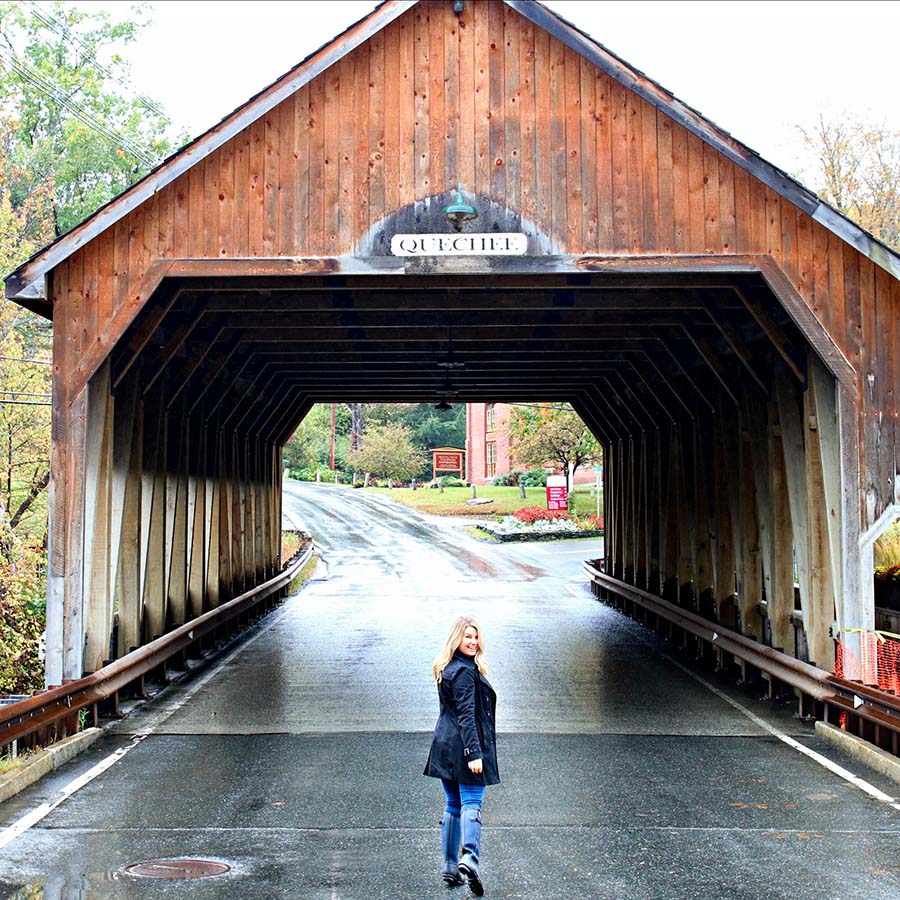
(531, 514)
(887, 547)
(888, 573)
(448, 481)
(525, 477)
(22, 614)
(325, 475)
(592, 523)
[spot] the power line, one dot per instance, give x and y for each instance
(37, 362)
(23, 403)
(33, 77)
(67, 34)
(26, 393)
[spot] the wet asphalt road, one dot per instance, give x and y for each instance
(297, 759)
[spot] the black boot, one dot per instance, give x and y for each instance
(471, 845)
(450, 836)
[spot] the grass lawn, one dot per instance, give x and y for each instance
(506, 500)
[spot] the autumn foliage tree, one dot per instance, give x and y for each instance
(552, 435)
(858, 172)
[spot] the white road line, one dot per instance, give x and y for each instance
(31, 818)
(833, 767)
(21, 825)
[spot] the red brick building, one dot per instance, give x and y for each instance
(488, 450)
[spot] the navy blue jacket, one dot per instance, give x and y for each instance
(466, 725)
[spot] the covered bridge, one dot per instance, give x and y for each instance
(731, 340)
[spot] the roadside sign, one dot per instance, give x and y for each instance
(556, 492)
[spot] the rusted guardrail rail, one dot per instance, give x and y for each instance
(866, 711)
(55, 712)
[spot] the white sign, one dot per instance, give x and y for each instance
(497, 244)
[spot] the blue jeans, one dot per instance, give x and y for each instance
(462, 796)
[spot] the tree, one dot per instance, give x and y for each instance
(547, 435)
(388, 451)
(310, 445)
(858, 173)
(73, 127)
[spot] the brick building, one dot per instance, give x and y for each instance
(488, 450)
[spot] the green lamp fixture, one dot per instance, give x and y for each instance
(459, 212)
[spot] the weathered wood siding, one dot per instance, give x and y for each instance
(491, 101)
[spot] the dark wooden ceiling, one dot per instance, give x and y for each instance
(664, 344)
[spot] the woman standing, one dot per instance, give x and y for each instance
(463, 751)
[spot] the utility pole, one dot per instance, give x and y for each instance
(331, 457)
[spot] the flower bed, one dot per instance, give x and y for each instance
(538, 524)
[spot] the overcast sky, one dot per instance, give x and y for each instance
(757, 68)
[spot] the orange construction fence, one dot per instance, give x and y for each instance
(870, 657)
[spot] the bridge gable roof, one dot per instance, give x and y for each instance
(26, 283)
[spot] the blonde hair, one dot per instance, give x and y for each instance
(451, 645)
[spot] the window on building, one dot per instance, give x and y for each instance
(490, 459)
(490, 417)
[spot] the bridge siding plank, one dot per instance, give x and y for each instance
(528, 129)
(512, 132)
(372, 84)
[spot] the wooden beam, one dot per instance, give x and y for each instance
(98, 619)
(819, 608)
(780, 601)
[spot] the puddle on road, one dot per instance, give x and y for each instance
(93, 886)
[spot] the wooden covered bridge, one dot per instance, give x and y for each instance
(733, 342)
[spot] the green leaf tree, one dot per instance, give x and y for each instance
(388, 452)
(73, 126)
(548, 435)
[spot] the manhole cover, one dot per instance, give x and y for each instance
(177, 868)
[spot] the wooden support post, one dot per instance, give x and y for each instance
(153, 528)
(98, 620)
(781, 598)
(704, 573)
(725, 500)
(819, 606)
(631, 512)
(750, 584)
(758, 427)
(128, 473)
(236, 516)
(223, 550)
(73, 619)
(672, 525)
(259, 523)
(824, 407)
(655, 510)
(685, 519)
(790, 413)
(211, 531)
(177, 545)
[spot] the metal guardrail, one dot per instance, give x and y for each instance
(875, 714)
(61, 705)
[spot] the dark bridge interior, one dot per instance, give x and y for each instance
(648, 349)
(700, 383)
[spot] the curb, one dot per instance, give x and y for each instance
(33, 768)
(868, 754)
(550, 536)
